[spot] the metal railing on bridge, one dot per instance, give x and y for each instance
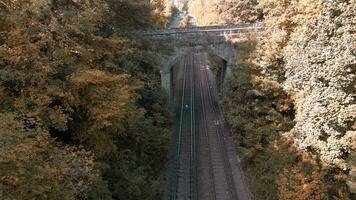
(203, 29)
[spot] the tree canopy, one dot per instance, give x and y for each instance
(73, 121)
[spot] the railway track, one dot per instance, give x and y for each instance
(202, 158)
(182, 184)
(206, 176)
(222, 178)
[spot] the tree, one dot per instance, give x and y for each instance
(240, 11)
(69, 95)
(32, 165)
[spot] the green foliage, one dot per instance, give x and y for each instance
(131, 8)
(138, 162)
(135, 14)
(216, 65)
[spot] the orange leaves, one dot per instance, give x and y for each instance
(18, 55)
(10, 180)
(33, 166)
(294, 184)
(283, 19)
(106, 99)
(63, 79)
(239, 11)
(96, 77)
(105, 94)
(206, 12)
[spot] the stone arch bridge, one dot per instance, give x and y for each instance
(210, 39)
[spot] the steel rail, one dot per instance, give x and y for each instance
(227, 167)
(177, 164)
(193, 177)
(191, 136)
(246, 195)
(206, 135)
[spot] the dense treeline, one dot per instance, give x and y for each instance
(291, 104)
(209, 12)
(81, 114)
(258, 111)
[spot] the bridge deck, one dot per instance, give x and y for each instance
(203, 29)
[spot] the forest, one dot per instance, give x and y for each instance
(290, 102)
(81, 112)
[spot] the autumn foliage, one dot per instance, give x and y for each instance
(73, 124)
(259, 111)
(291, 104)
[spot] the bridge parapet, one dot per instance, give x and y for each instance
(203, 29)
(210, 39)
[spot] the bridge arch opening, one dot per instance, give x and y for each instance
(223, 55)
(218, 66)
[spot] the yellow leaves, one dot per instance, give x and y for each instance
(60, 76)
(206, 12)
(10, 180)
(18, 55)
(96, 77)
(304, 12)
(106, 99)
(294, 184)
(33, 166)
(285, 18)
(16, 37)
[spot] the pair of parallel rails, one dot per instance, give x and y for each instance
(182, 168)
(219, 164)
(184, 138)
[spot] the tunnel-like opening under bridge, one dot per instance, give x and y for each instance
(210, 39)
